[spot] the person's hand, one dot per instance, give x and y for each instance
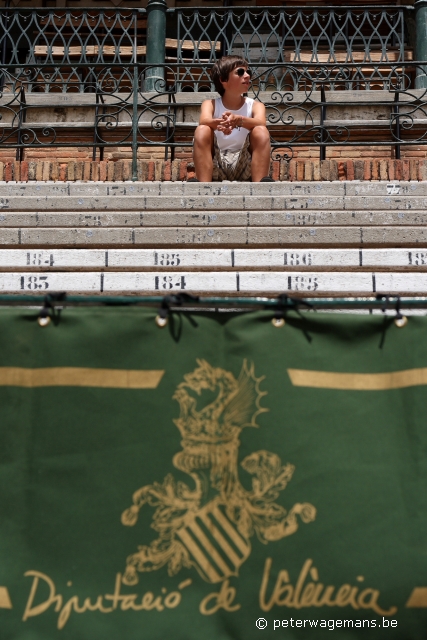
(229, 121)
(216, 124)
(225, 127)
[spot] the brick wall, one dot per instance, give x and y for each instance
(302, 169)
(112, 154)
(75, 156)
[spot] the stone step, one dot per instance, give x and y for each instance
(129, 189)
(232, 237)
(212, 203)
(232, 282)
(263, 238)
(167, 218)
(171, 259)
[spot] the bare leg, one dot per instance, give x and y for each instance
(202, 153)
(260, 148)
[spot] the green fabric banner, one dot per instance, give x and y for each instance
(220, 478)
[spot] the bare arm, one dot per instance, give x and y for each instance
(257, 120)
(206, 115)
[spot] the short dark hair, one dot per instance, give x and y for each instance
(222, 68)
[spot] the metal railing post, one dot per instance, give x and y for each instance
(421, 43)
(156, 44)
(322, 121)
(135, 118)
(396, 116)
(21, 120)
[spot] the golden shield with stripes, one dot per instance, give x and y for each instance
(215, 546)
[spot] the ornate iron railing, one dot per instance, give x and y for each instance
(275, 35)
(121, 113)
(270, 35)
(196, 77)
(57, 36)
(124, 114)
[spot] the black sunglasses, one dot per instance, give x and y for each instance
(241, 72)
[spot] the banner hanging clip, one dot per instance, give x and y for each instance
(177, 300)
(285, 304)
(48, 311)
(400, 320)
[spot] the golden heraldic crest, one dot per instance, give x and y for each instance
(208, 525)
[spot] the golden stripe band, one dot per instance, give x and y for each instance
(358, 381)
(79, 377)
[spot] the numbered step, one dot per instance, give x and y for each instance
(397, 188)
(45, 283)
(56, 258)
(393, 189)
(116, 258)
(225, 281)
(296, 258)
(161, 283)
(34, 283)
(306, 282)
(158, 282)
(169, 260)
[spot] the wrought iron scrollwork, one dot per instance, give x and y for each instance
(139, 105)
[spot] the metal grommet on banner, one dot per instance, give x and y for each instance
(278, 322)
(401, 321)
(161, 321)
(43, 320)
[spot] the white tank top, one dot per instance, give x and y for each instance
(235, 141)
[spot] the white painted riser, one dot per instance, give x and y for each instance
(220, 258)
(245, 281)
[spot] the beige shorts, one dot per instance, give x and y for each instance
(233, 165)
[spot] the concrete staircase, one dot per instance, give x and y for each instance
(306, 238)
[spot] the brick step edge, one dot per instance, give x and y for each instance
(181, 170)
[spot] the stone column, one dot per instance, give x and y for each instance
(156, 37)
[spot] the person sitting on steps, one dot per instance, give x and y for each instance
(232, 129)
